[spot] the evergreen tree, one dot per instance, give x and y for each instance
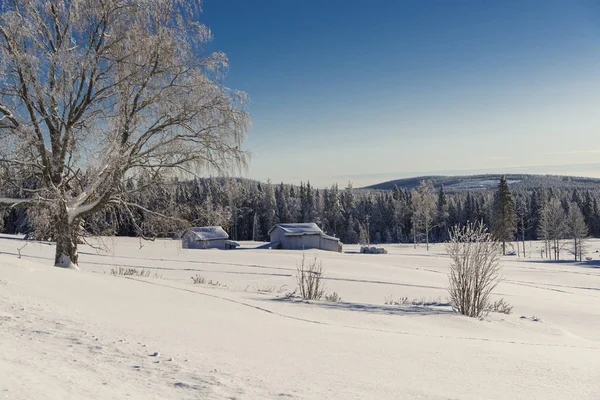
(281, 196)
(269, 207)
(334, 210)
(349, 210)
(503, 215)
(309, 204)
(588, 211)
(442, 215)
(256, 236)
(318, 208)
(351, 235)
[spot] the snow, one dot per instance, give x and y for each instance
(299, 229)
(93, 335)
(65, 262)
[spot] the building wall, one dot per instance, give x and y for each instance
(303, 242)
(277, 235)
(330, 244)
(189, 242)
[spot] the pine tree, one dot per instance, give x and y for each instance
(503, 214)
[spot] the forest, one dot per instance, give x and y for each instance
(247, 209)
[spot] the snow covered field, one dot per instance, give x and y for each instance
(91, 335)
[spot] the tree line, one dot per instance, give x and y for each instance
(248, 209)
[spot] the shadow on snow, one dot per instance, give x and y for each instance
(426, 309)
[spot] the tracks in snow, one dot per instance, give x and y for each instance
(306, 320)
(535, 285)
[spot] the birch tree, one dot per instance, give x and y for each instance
(577, 230)
(553, 227)
(474, 268)
(424, 201)
(93, 92)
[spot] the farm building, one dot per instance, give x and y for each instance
(208, 237)
(302, 236)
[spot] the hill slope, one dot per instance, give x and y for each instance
(471, 182)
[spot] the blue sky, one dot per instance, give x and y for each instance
(368, 91)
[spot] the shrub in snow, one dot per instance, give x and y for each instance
(334, 297)
(499, 306)
(474, 268)
(130, 272)
(309, 276)
(422, 302)
(290, 295)
(402, 301)
(198, 279)
(265, 289)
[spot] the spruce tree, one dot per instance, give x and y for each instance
(503, 214)
(442, 215)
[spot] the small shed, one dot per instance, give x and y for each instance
(207, 237)
(303, 236)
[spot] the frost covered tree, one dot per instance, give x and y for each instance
(424, 201)
(269, 206)
(95, 92)
(282, 197)
(522, 223)
(474, 268)
(577, 231)
(334, 210)
(553, 227)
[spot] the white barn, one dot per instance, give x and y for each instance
(207, 237)
(302, 236)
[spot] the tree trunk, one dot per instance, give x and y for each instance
(427, 235)
(66, 240)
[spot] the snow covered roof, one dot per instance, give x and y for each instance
(330, 237)
(208, 233)
(309, 228)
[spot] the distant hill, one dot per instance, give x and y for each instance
(486, 182)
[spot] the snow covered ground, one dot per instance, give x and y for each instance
(92, 335)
